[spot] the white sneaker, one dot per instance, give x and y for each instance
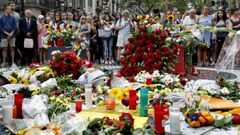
(110, 62)
(106, 62)
(14, 65)
(3, 65)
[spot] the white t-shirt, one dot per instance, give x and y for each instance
(126, 30)
(188, 20)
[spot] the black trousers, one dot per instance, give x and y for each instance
(28, 54)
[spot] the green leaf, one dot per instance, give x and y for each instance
(184, 110)
(138, 131)
(191, 111)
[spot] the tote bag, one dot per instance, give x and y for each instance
(28, 43)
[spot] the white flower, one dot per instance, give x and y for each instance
(156, 74)
(55, 52)
(224, 91)
(168, 39)
(156, 96)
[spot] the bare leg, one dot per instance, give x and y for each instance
(44, 55)
(12, 51)
(88, 54)
(205, 56)
(40, 52)
(4, 55)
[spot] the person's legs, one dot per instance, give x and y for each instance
(44, 55)
(214, 52)
(105, 49)
(40, 52)
(4, 45)
(110, 48)
(199, 55)
(205, 56)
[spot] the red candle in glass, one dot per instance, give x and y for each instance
(14, 112)
(78, 106)
(18, 99)
(149, 81)
(132, 99)
(158, 119)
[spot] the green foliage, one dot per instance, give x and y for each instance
(225, 122)
(26, 92)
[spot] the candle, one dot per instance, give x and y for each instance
(132, 99)
(18, 99)
(174, 119)
(88, 95)
(144, 102)
(149, 81)
(7, 114)
(78, 106)
(14, 112)
(110, 103)
(158, 119)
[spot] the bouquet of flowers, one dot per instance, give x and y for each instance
(57, 106)
(60, 36)
(65, 62)
(149, 50)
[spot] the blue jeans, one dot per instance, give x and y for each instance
(107, 47)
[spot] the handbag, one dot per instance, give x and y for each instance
(28, 43)
(102, 33)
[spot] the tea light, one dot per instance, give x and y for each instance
(110, 103)
(7, 114)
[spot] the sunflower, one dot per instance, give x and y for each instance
(139, 17)
(114, 91)
(70, 26)
(12, 80)
(170, 18)
(23, 81)
(47, 26)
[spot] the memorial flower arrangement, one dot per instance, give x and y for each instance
(15, 78)
(65, 62)
(57, 106)
(60, 36)
(148, 50)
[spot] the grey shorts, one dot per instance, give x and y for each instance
(8, 42)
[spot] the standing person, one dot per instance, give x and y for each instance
(51, 14)
(115, 36)
(18, 44)
(191, 18)
(93, 39)
(235, 19)
(85, 28)
(206, 20)
(221, 22)
(42, 31)
(64, 17)
(123, 26)
(71, 21)
(175, 14)
(107, 25)
(57, 21)
(28, 26)
(8, 28)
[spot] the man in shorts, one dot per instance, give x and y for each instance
(8, 29)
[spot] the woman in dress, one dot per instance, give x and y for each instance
(93, 39)
(221, 22)
(85, 28)
(41, 33)
(206, 20)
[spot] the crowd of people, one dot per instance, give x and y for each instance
(106, 34)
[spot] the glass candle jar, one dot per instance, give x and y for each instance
(144, 102)
(174, 118)
(110, 103)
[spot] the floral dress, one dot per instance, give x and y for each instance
(42, 33)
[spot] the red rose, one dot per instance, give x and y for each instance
(120, 124)
(65, 25)
(161, 43)
(108, 121)
(130, 40)
(236, 119)
(127, 116)
(163, 35)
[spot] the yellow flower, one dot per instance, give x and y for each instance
(70, 26)
(100, 103)
(150, 94)
(170, 18)
(52, 98)
(12, 80)
(139, 17)
(156, 18)
(23, 81)
(119, 96)
(126, 91)
(114, 91)
(47, 26)
(188, 31)
(147, 16)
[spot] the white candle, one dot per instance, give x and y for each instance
(7, 114)
(175, 127)
(88, 95)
